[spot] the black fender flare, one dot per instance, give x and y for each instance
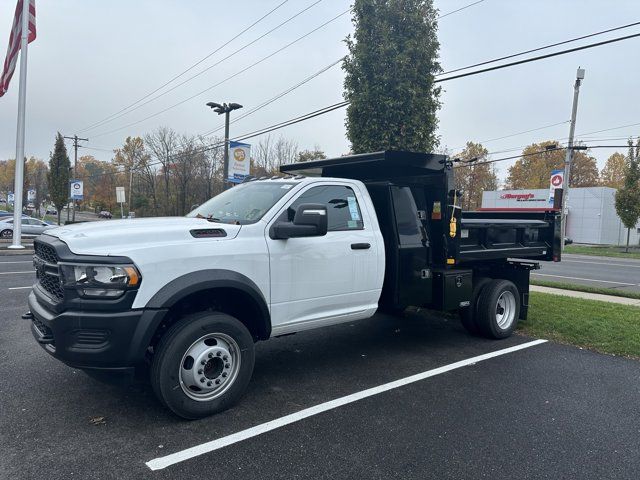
(209, 279)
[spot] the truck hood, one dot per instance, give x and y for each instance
(117, 237)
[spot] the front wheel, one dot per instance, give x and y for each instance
(498, 309)
(203, 364)
(6, 233)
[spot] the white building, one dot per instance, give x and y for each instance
(592, 216)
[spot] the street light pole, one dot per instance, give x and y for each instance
(225, 175)
(569, 154)
(225, 108)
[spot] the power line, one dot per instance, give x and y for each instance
(209, 67)
(101, 122)
(602, 32)
(542, 57)
(459, 9)
(227, 78)
(278, 96)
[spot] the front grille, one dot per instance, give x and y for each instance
(47, 271)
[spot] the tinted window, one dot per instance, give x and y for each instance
(409, 231)
(343, 210)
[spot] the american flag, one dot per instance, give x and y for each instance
(14, 42)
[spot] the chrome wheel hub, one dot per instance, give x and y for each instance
(505, 310)
(209, 366)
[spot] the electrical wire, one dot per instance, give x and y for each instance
(602, 32)
(227, 78)
(222, 60)
(277, 97)
(459, 9)
(100, 122)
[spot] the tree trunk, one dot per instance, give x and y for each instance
(626, 250)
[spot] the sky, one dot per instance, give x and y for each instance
(93, 58)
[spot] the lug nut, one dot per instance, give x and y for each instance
(218, 354)
(200, 372)
(224, 374)
(202, 380)
(208, 384)
(210, 355)
(225, 358)
(203, 362)
(227, 365)
(217, 382)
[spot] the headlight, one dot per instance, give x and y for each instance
(100, 281)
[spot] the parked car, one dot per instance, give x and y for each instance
(272, 257)
(105, 214)
(51, 210)
(30, 227)
(568, 241)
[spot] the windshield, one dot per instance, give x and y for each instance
(243, 204)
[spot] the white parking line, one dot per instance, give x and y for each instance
(20, 288)
(584, 279)
(166, 461)
(13, 273)
(4, 263)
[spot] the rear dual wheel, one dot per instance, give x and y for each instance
(494, 309)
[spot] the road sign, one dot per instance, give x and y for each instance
(239, 161)
(11, 197)
(120, 198)
(556, 181)
(76, 189)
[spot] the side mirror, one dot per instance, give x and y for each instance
(310, 220)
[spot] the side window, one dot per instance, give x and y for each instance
(407, 221)
(343, 211)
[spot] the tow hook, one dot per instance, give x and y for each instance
(27, 316)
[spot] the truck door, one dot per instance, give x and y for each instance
(318, 281)
(414, 274)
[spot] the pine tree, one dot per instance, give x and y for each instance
(389, 82)
(628, 197)
(58, 176)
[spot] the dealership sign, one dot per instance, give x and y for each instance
(239, 161)
(521, 197)
(76, 189)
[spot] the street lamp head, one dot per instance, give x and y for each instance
(214, 105)
(235, 106)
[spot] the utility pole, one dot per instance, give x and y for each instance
(75, 139)
(569, 155)
(225, 108)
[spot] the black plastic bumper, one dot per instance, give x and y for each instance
(114, 341)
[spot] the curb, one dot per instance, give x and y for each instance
(589, 296)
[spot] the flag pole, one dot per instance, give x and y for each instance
(22, 101)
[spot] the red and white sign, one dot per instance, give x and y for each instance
(556, 181)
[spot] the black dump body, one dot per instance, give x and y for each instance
(432, 246)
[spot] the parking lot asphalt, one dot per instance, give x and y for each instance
(549, 411)
(605, 272)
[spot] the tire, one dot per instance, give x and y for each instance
(6, 233)
(468, 314)
(218, 343)
(498, 309)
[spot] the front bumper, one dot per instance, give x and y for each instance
(95, 340)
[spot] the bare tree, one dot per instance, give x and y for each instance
(163, 145)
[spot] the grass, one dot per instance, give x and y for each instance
(585, 288)
(604, 250)
(601, 326)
